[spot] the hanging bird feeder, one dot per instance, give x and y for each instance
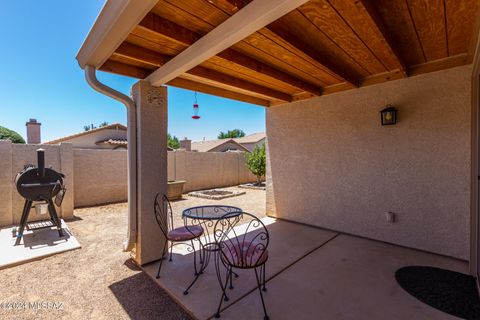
(195, 109)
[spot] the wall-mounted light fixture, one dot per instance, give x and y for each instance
(388, 115)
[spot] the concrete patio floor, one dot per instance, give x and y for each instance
(311, 274)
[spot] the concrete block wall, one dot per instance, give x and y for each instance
(96, 176)
(206, 170)
(100, 176)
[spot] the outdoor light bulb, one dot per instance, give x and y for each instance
(388, 116)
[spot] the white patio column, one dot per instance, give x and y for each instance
(151, 105)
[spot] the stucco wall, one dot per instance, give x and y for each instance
(100, 176)
(331, 163)
(205, 170)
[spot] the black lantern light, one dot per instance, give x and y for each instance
(388, 115)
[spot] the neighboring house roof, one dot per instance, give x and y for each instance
(114, 142)
(252, 138)
(116, 126)
(208, 145)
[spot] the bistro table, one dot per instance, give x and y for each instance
(207, 216)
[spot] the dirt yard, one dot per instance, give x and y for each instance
(98, 281)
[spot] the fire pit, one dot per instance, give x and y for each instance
(215, 194)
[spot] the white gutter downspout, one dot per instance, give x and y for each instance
(90, 75)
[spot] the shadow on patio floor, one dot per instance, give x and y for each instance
(143, 299)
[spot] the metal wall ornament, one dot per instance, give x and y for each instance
(388, 116)
(195, 108)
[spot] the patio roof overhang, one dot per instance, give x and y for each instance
(269, 52)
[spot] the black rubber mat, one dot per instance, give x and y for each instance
(451, 292)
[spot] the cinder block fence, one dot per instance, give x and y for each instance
(96, 176)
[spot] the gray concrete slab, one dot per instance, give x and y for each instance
(347, 278)
(289, 242)
(34, 245)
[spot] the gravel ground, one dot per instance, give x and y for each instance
(98, 281)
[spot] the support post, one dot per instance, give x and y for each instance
(152, 178)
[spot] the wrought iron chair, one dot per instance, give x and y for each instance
(164, 216)
(242, 248)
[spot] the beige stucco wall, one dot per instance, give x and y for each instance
(96, 176)
(331, 163)
(205, 170)
(100, 176)
(13, 157)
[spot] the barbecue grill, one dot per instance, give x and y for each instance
(40, 185)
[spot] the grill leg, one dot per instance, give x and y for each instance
(54, 217)
(23, 221)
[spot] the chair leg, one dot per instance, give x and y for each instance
(224, 295)
(264, 278)
(259, 286)
(197, 273)
(161, 259)
(171, 251)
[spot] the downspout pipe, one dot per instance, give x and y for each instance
(91, 77)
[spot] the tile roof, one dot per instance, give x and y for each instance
(207, 145)
(251, 138)
(116, 126)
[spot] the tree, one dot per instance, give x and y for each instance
(257, 162)
(7, 134)
(91, 126)
(235, 133)
(173, 141)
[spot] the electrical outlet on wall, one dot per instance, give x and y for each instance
(390, 216)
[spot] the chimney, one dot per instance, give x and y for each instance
(33, 131)
(186, 144)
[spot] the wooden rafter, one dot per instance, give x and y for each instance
(379, 31)
(292, 40)
(245, 22)
(157, 60)
(141, 73)
(158, 26)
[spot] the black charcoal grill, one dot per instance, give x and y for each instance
(40, 185)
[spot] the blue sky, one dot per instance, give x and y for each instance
(41, 79)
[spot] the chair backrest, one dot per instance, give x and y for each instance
(243, 239)
(163, 213)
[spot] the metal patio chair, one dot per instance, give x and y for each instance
(164, 216)
(242, 248)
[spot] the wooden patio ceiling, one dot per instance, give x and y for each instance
(322, 47)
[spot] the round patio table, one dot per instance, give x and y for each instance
(207, 216)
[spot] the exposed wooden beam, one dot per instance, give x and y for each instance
(440, 64)
(141, 73)
(158, 26)
(253, 17)
(195, 86)
(112, 26)
(279, 31)
(353, 11)
(157, 60)
(334, 67)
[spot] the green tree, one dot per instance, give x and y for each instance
(7, 134)
(103, 124)
(257, 162)
(173, 141)
(235, 133)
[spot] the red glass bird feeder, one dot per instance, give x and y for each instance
(195, 109)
